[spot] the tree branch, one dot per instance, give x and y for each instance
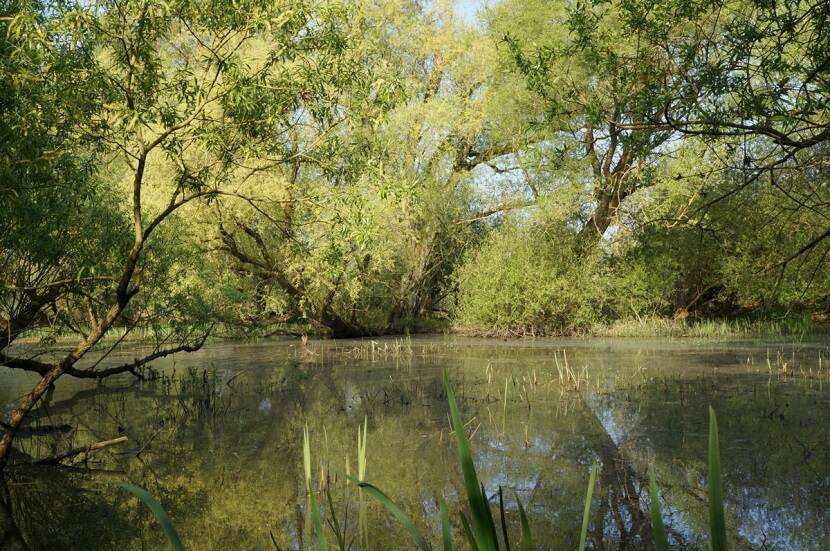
(42, 368)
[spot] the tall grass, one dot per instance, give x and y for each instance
(786, 326)
(717, 521)
(479, 527)
(363, 525)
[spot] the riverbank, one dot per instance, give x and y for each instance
(797, 327)
(787, 326)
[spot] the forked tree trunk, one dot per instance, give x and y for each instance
(28, 402)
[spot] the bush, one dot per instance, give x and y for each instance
(530, 278)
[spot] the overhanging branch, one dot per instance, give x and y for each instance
(42, 368)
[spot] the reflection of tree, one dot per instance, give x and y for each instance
(10, 537)
(774, 453)
(221, 449)
(29, 507)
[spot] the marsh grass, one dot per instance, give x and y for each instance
(787, 367)
(373, 350)
(569, 378)
(480, 530)
(793, 326)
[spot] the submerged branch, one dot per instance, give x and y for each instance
(85, 450)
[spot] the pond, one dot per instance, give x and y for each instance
(217, 437)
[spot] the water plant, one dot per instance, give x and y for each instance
(717, 522)
(480, 530)
(161, 515)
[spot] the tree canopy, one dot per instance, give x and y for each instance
(173, 169)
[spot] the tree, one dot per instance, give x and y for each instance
(756, 76)
(165, 104)
(693, 135)
(592, 82)
(362, 238)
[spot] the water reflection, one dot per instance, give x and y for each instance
(217, 438)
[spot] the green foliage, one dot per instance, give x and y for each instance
(717, 523)
(529, 280)
(658, 528)
(586, 514)
(484, 528)
(151, 503)
(394, 510)
(361, 168)
(446, 529)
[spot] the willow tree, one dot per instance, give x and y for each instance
(754, 78)
(176, 110)
(360, 238)
(592, 80)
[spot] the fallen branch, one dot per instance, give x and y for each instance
(89, 448)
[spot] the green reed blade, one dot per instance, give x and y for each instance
(583, 537)
(306, 459)
(151, 503)
(335, 525)
(394, 510)
(527, 538)
(322, 544)
(503, 521)
(446, 531)
(482, 518)
(489, 518)
(471, 539)
(361, 449)
(717, 523)
(661, 542)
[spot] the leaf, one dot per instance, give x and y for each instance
(661, 542)
(157, 510)
(394, 510)
(717, 524)
(446, 532)
(527, 539)
(340, 536)
(482, 518)
(583, 537)
(471, 539)
(306, 459)
(322, 544)
(503, 520)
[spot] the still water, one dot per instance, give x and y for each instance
(217, 438)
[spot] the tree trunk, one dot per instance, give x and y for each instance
(28, 402)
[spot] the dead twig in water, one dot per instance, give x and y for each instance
(86, 450)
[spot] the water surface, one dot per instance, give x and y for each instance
(217, 437)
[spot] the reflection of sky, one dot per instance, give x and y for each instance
(760, 520)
